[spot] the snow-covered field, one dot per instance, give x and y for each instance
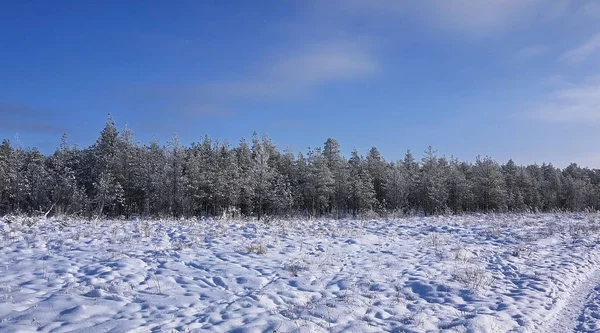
(485, 273)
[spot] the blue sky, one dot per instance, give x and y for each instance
(507, 78)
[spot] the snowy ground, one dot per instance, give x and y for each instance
(494, 273)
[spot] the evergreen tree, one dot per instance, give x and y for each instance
(262, 173)
(37, 190)
(432, 184)
(488, 185)
(129, 172)
(377, 170)
(550, 187)
(362, 193)
(245, 165)
(63, 178)
(396, 186)
(154, 175)
(514, 186)
(412, 172)
(457, 184)
(320, 182)
(339, 170)
(105, 187)
(174, 177)
(6, 176)
(109, 193)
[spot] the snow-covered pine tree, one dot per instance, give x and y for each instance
(396, 186)
(457, 184)
(376, 166)
(339, 169)
(412, 172)
(432, 184)
(262, 174)
(362, 193)
(488, 185)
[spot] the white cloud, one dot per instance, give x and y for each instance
(293, 73)
(481, 17)
(576, 103)
(584, 51)
(280, 76)
(477, 18)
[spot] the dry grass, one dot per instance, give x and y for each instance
(256, 247)
(473, 278)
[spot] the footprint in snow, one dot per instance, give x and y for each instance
(219, 282)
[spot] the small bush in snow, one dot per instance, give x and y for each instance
(256, 248)
(435, 240)
(474, 278)
(295, 267)
(462, 255)
(144, 229)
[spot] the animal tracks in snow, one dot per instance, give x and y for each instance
(579, 311)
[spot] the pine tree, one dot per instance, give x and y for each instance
(376, 166)
(153, 175)
(321, 182)
(5, 177)
(488, 184)
(245, 165)
(396, 186)
(37, 193)
(105, 187)
(362, 193)
(514, 186)
(288, 182)
(550, 187)
(174, 177)
(63, 178)
(412, 172)
(129, 170)
(457, 184)
(109, 192)
(262, 174)
(432, 184)
(339, 169)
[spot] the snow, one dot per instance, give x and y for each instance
(569, 311)
(478, 273)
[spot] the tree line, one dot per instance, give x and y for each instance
(117, 176)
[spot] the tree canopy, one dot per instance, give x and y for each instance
(118, 176)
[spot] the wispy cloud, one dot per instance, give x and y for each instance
(296, 73)
(291, 74)
(473, 18)
(481, 17)
(581, 53)
(576, 103)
